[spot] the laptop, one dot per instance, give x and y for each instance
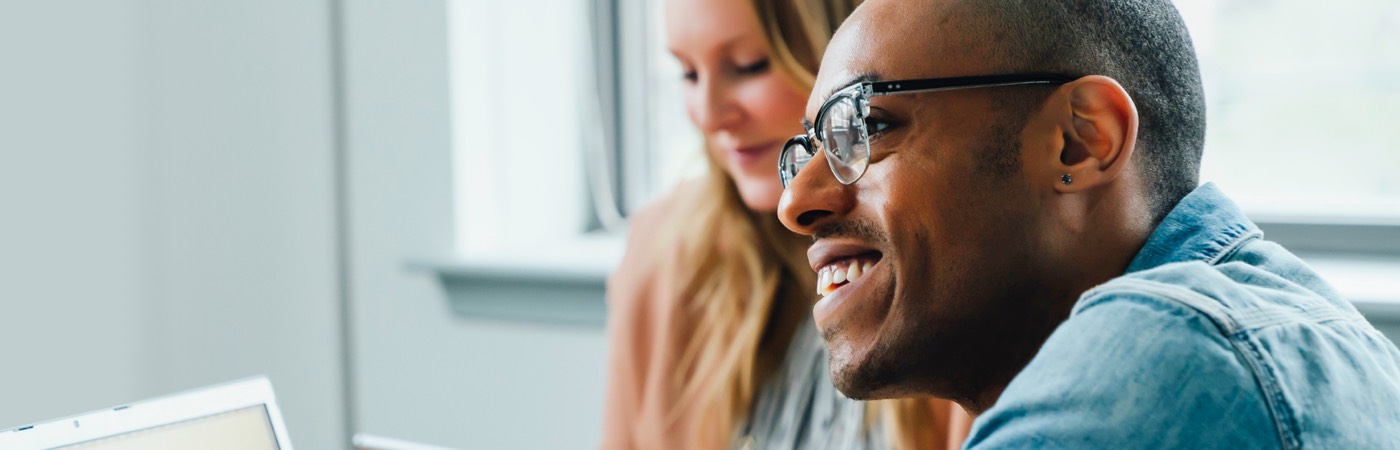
(366, 441)
(241, 415)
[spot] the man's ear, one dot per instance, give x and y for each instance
(1099, 133)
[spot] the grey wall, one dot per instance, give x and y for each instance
(72, 217)
(422, 373)
(239, 147)
(167, 181)
(166, 184)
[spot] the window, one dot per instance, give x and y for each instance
(517, 114)
(661, 146)
(1303, 98)
(563, 122)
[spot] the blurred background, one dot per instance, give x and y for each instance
(403, 211)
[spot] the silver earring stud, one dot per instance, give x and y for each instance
(1066, 179)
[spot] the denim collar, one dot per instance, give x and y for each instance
(1205, 226)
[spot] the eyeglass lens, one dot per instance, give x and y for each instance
(795, 156)
(845, 139)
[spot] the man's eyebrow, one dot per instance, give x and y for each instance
(860, 78)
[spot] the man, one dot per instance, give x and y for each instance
(1003, 197)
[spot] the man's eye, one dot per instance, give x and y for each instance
(691, 76)
(875, 127)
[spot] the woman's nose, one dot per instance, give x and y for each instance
(715, 109)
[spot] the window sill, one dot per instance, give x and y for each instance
(563, 283)
(1372, 283)
(566, 285)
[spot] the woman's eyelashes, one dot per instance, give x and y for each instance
(742, 70)
(753, 68)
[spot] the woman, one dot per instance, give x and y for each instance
(710, 312)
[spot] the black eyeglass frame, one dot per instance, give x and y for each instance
(860, 93)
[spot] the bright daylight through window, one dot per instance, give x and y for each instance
(1303, 98)
(546, 104)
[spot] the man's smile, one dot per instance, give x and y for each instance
(842, 266)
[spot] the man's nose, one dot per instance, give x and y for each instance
(814, 197)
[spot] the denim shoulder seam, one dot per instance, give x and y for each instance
(1247, 233)
(1265, 380)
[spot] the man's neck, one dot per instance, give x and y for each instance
(988, 398)
(1102, 254)
(1020, 340)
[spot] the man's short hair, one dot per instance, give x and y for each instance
(1143, 44)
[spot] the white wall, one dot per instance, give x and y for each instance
(166, 205)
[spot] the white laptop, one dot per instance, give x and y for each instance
(241, 415)
(366, 441)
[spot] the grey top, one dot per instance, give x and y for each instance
(799, 408)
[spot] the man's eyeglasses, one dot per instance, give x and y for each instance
(841, 131)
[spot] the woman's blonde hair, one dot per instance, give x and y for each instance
(745, 277)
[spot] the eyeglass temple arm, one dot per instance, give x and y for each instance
(943, 84)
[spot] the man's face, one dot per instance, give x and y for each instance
(947, 243)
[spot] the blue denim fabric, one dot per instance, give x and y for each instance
(1214, 338)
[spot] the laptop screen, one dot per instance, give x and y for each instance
(242, 415)
(244, 429)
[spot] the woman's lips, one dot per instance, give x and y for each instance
(754, 154)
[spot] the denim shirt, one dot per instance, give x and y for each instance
(1214, 338)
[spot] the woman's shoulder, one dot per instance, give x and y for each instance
(650, 220)
(647, 330)
(648, 236)
(648, 246)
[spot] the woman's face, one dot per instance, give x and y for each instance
(733, 93)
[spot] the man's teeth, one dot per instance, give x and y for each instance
(838, 274)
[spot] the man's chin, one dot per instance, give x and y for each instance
(855, 373)
(852, 387)
(860, 384)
